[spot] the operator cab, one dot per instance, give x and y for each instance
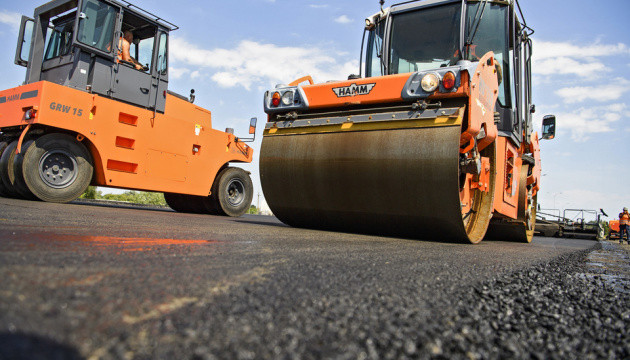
(78, 43)
(421, 36)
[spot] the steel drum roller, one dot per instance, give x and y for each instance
(402, 182)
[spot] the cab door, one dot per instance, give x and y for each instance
(24, 43)
(134, 85)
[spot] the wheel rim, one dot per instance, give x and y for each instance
(58, 168)
(476, 219)
(235, 192)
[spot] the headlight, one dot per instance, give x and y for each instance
(430, 82)
(287, 98)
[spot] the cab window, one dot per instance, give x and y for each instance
(59, 41)
(162, 65)
(373, 59)
(142, 50)
(493, 35)
(144, 35)
(96, 25)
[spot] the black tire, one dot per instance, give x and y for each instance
(185, 203)
(234, 190)
(3, 191)
(57, 168)
(19, 183)
(6, 171)
(195, 204)
(174, 201)
(211, 204)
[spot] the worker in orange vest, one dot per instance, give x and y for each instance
(624, 222)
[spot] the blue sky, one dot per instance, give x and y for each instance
(231, 52)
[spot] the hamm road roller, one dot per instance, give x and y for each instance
(432, 140)
(86, 116)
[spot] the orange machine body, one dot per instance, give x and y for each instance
(132, 147)
(614, 225)
(478, 98)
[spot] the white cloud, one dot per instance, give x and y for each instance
(564, 58)
(568, 66)
(253, 63)
(582, 122)
(549, 49)
(319, 6)
(176, 73)
(343, 19)
(613, 90)
(10, 18)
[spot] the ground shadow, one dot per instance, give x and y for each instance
(264, 223)
(18, 346)
(120, 205)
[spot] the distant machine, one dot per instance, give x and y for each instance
(573, 223)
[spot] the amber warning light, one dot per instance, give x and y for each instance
(275, 99)
(448, 81)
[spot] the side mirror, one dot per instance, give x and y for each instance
(252, 125)
(549, 127)
(252, 130)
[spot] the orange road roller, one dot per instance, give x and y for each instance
(86, 114)
(432, 140)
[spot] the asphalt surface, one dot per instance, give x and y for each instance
(93, 281)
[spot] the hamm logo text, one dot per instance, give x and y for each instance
(353, 90)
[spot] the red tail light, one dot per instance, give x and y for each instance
(275, 99)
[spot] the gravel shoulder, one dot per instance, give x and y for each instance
(574, 307)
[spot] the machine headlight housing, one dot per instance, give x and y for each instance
(430, 82)
(30, 113)
(287, 98)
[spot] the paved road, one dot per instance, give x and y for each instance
(95, 281)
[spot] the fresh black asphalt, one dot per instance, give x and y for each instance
(98, 281)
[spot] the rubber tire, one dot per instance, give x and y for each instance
(516, 230)
(220, 191)
(6, 171)
(46, 144)
(185, 203)
(19, 183)
(195, 204)
(211, 204)
(174, 201)
(3, 191)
